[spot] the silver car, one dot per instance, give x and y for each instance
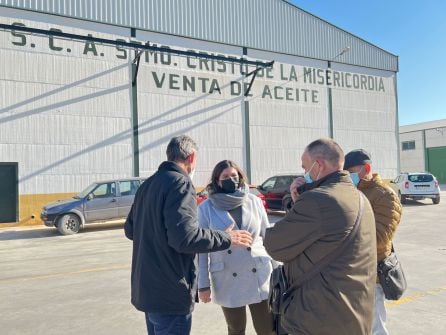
(99, 202)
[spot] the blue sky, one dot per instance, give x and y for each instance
(414, 31)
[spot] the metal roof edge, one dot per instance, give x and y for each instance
(341, 29)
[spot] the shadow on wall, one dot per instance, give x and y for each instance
(54, 92)
(143, 128)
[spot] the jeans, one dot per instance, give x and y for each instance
(164, 324)
(380, 315)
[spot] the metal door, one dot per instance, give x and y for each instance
(9, 192)
(436, 163)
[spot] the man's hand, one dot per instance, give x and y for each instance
(205, 296)
(239, 237)
(299, 181)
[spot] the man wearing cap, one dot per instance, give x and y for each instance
(387, 209)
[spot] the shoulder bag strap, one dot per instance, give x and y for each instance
(333, 255)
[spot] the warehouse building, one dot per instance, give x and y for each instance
(423, 148)
(93, 90)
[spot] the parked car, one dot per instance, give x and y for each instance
(416, 186)
(276, 190)
(253, 190)
(203, 195)
(100, 201)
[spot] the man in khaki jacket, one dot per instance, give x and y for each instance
(387, 209)
(339, 299)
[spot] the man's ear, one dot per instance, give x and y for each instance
(367, 168)
(191, 158)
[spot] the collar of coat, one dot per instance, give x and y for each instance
(365, 184)
(171, 166)
(332, 178)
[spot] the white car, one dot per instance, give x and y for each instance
(416, 186)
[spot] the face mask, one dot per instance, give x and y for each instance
(307, 176)
(229, 185)
(355, 178)
(191, 174)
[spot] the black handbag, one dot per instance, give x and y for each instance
(391, 277)
(277, 288)
(280, 295)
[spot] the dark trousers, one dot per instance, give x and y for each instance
(163, 324)
(261, 318)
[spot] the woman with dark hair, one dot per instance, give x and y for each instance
(239, 276)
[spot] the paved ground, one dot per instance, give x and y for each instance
(51, 284)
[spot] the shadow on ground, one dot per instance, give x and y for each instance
(415, 203)
(24, 233)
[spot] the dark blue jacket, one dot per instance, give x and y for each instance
(163, 226)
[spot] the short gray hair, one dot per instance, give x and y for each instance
(180, 147)
(326, 149)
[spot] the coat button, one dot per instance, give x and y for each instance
(234, 274)
(254, 270)
(229, 251)
(248, 248)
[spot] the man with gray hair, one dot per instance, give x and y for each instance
(327, 218)
(163, 226)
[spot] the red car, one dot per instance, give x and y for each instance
(276, 190)
(253, 190)
(203, 195)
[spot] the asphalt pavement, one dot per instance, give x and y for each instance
(80, 284)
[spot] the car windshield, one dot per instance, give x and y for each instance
(85, 192)
(421, 178)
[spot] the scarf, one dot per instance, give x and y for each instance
(228, 201)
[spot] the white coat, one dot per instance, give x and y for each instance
(237, 276)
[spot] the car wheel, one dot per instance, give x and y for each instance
(287, 203)
(403, 198)
(436, 200)
(68, 224)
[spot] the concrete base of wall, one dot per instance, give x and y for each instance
(30, 206)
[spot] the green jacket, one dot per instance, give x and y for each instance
(340, 299)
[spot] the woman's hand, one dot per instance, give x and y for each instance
(205, 296)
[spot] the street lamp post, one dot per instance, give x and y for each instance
(329, 94)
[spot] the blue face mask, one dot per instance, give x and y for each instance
(355, 178)
(307, 176)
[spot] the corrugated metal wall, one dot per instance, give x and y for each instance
(281, 126)
(64, 115)
(174, 98)
(414, 160)
(66, 107)
(272, 25)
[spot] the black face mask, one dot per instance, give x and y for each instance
(229, 185)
